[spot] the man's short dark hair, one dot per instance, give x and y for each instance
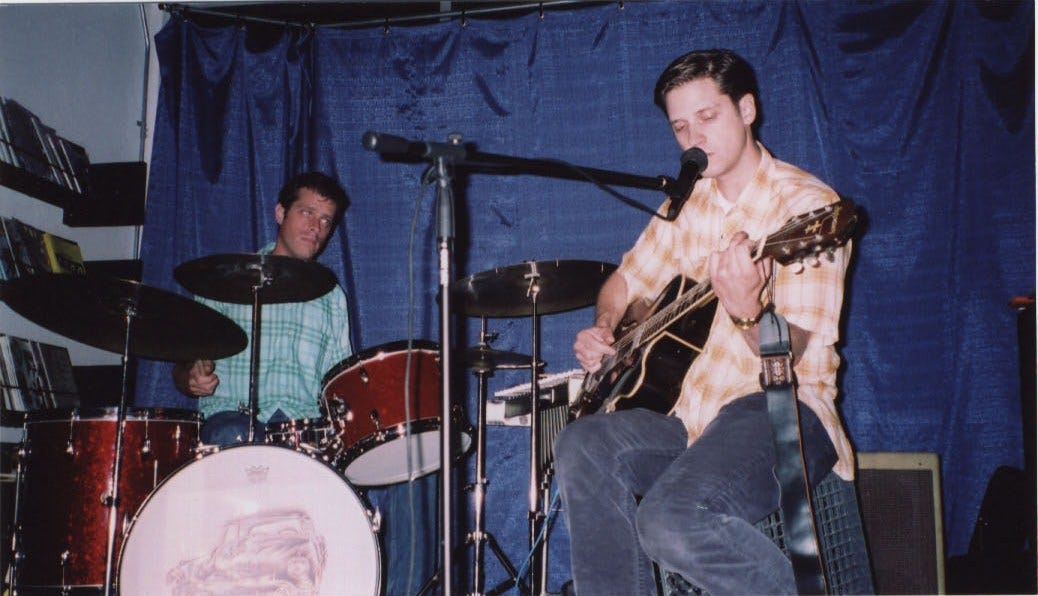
(732, 73)
(320, 183)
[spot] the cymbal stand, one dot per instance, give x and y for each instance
(263, 281)
(538, 556)
(479, 537)
(111, 500)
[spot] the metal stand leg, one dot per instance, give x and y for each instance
(479, 537)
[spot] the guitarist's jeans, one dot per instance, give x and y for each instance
(698, 503)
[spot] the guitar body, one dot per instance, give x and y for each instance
(657, 342)
(650, 377)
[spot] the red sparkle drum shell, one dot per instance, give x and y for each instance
(252, 519)
(364, 399)
(67, 466)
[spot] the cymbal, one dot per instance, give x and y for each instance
(93, 310)
(491, 359)
(505, 291)
(233, 278)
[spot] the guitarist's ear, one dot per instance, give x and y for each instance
(747, 109)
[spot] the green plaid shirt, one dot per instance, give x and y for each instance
(299, 343)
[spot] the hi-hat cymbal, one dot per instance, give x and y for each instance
(488, 358)
(94, 310)
(234, 278)
(507, 291)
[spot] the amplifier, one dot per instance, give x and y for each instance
(900, 497)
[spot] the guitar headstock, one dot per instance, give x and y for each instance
(812, 233)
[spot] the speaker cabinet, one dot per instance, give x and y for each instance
(900, 497)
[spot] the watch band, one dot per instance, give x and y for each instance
(747, 324)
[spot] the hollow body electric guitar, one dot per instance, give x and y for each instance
(657, 342)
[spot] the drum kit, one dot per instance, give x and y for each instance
(126, 500)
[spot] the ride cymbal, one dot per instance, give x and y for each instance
(236, 278)
(510, 291)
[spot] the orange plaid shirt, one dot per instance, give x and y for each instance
(811, 299)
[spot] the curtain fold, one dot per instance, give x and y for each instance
(922, 113)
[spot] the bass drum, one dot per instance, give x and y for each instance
(252, 519)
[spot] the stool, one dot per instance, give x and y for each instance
(841, 541)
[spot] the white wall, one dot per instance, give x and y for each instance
(82, 69)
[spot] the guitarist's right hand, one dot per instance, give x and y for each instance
(593, 344)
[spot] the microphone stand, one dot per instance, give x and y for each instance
(445, 243)
(394, 148)
(453, 152)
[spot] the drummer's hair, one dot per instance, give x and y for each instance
(320, 183)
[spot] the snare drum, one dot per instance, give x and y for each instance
(61, 533)
(363, 397)
(252, 519)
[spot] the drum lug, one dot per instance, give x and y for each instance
(375, 517)
(107, 500)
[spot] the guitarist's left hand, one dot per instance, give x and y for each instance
(737, 278)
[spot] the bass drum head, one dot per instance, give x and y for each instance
(252, 519)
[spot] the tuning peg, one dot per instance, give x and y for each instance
(798, 267)
(813, 261)
(830, 255)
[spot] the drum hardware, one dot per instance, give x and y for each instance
(532, 288)
(482, 361)
(129, 318)
(256, 280)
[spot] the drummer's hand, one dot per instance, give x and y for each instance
(198, 379)
(593, 344)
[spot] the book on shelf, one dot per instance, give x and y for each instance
(58, 377)
(8, 268)
(29, 254)
(43, 137)
(12, 396)
(63, 255)
(78, 164)
(36, 375)
(6, 146)
(26, 250)
(57, 161)
(25, 141)
(28, 383)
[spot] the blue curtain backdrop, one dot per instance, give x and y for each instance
(922, 113)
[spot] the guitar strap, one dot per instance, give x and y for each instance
(779, 385)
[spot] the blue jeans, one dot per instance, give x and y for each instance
(230, 427)
(698, 504)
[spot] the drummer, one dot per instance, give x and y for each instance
(301, 340)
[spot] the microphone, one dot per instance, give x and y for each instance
(693, 162)
(393, 145)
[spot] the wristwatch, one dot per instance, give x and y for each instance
(747, 324)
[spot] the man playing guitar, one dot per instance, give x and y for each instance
(684, 486)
